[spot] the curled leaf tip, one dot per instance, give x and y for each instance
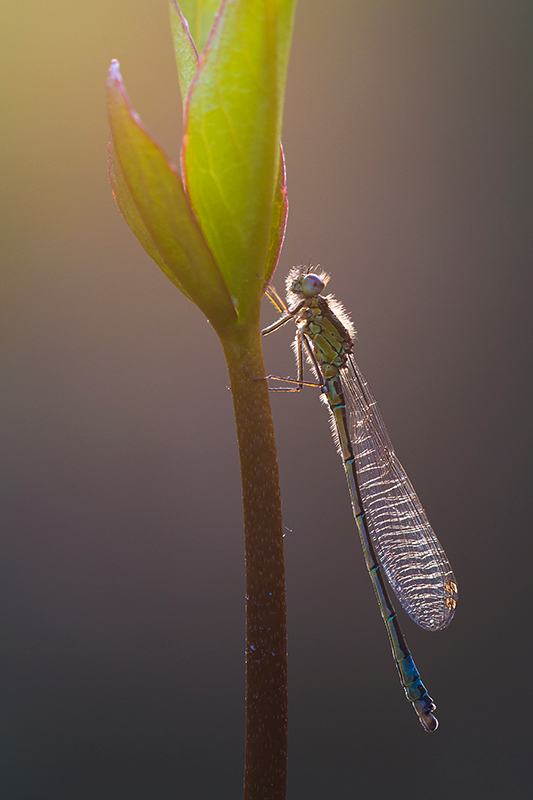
(115, 82)
(113, 74)
(117, 95)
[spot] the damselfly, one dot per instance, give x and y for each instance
(396, 536)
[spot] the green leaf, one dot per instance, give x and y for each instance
(187, 63)
(280, 212)
(151, 195)
(128, 209)
(184, 48)
(230, 150)
(200, 15)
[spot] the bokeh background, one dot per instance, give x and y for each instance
(408, 136)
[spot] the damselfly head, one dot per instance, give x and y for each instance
(301, 281)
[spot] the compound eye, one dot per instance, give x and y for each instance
(312, 285)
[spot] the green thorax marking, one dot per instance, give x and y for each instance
(329, 339)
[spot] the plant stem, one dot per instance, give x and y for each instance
(266, 626)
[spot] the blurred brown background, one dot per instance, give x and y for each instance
(408, 134)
